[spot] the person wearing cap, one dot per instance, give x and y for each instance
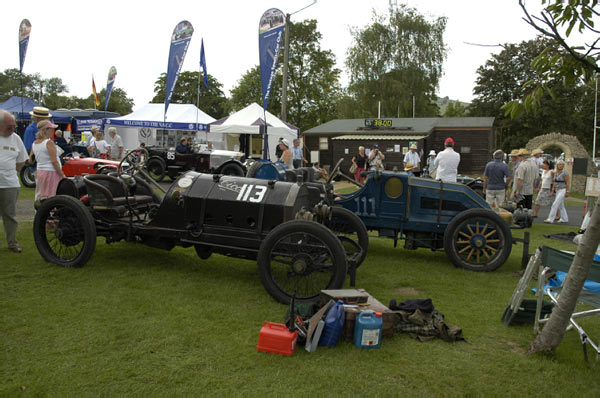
(12, 158)
(408, 169)
(360, 162)
(38, 114)
(115, 143)
(49, 171)
(496, 177)
(429, 165)
(413, 157)
(447, 162)
(278, 150)
(286, 154)
(376, 159)
(525, 175)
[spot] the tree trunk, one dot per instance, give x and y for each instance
(553, 331)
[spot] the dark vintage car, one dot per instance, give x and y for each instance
(284, 227)
(168, 162)
(423, 212)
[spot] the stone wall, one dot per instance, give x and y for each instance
(572, 148)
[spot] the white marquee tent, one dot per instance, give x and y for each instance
(142, 125)
(251, 120)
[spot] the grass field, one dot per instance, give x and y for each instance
(137, 320)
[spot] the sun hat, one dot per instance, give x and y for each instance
(432, 152)
(413, 146)
(40, 111)
(44, 124)
(449, 141)
(523, 152)
(285, 142)
(514, 152)
(408, 166)
(537, 151)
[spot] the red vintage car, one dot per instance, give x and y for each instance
(72, 166)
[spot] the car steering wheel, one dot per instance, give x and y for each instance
(134, 163)
(335, 171)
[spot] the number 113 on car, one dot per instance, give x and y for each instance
(257, 192)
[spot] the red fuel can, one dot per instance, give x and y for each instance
(277, 339)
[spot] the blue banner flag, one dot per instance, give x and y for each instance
(270, 37)
(24, 30)
(203, 63)
(180, 41)
(112, 73)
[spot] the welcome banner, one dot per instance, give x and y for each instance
(112, 73)
(24, 31)
(180, 41)
(270, 37)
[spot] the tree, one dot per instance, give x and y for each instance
(397, 59)
(455, 109)
(34, 86)
(504, 78)
(573, 63)
(313, 80)
(212, 100)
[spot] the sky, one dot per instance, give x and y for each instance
(74, 40)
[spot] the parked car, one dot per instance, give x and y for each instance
(168, 162)
(280, 225)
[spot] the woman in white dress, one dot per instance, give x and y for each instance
(561, 190)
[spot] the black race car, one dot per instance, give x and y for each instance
(168, 162)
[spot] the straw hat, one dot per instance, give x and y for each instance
(95, 128)
(523, 152)
(514, 152)
(285, 142)
(40, 111)
(413, 146)
(537, 151)
(408, 166)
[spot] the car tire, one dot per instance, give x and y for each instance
(27, 176)
(204, 252)
(64, 231)
(253, 169)
(156, 169)
(232, 169)
(301, 258)
(352, 232)
(478, 240)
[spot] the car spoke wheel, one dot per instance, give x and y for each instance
(303, 257)
(156, 169)
(27, 176)
(64, 231)
(478, 240)
(352, 232)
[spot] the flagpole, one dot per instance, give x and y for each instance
(198, 100)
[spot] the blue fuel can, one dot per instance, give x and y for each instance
(367, 329)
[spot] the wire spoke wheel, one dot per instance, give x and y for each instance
(478, 239)
(302, 257)
(64, 231)
(351, 231)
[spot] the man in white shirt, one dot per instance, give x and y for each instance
(12, 159)
(526, 174)
(413, 157)
(447, 162)
(116, 144)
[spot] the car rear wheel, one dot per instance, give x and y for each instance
(27, 176)
(352, 232)
(478, 240)
(232, 169)
(301, 257)
(64, 231)
(156, 169)
(253, 169)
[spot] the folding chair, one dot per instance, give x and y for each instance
(557, 260)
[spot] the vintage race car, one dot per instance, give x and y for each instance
(73, 165)
(168, 162)
(423, 212)
(285, 227)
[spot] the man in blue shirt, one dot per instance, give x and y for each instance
(496, 178)
(297, 156)
(38, 114)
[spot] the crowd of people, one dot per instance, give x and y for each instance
(99, 146)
